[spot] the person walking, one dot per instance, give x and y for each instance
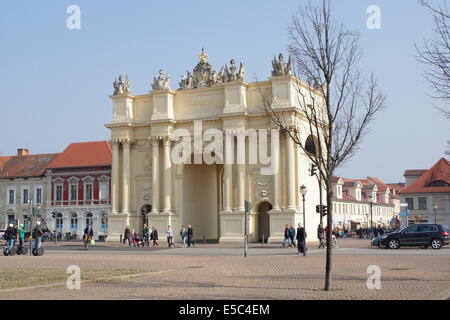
(146, 235)
(133, 238)
(127, 236)
(301, 235)
(183, 235)
(87, 236)
(190, 234)
(21, 238)
(169, 234)
(11, 235)
(37, 235)
(320, 236)
(292, 237)
(154, 236)
(286, 236)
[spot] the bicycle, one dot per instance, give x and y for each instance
(334, 243)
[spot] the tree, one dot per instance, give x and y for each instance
(434, 55)
(336, 103)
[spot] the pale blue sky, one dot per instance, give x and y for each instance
(56, 82)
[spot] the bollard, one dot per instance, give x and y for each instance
(263, 238)
(120, 238)
(204, 240)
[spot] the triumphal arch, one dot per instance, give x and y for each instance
(194, 155)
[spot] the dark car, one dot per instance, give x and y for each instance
(420, 235)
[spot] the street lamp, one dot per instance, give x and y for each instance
(435, 208)
(303, 191)
(371, 199)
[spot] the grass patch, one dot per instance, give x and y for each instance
(399, 269)
(21, 277)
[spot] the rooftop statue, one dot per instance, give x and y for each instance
(121, 87)
(280, 68)
(160, 83)
(205, 76)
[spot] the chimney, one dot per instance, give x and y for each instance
(22, 152)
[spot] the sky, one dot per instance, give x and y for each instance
(57, 81)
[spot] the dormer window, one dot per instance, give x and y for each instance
(386, 198)
(358, 194)
(339, 192)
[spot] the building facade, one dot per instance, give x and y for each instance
(22, 180)
(427, 194)
(360, 203)
(206, 190)
(79, 189)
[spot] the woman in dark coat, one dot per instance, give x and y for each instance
(154, 236)
(127, 236)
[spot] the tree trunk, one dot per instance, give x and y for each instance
(329, 242)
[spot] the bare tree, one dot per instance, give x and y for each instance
(336, 104)
(434, 54)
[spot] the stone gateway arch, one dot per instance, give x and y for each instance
(149, 185)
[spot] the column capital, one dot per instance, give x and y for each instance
(127, 142)
(115, 144)
(167, 140)
(154, 139)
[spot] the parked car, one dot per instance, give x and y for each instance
(420, 235)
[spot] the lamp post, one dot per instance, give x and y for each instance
(371, 198)
(435, 208)
(303, 191)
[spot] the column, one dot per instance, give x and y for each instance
(155, 174)
(115, 177)
(290, 173)
(228, 171)
(167, 175)
(241, 171)
(276, 186)
(126, 176)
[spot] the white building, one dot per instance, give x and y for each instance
(145, 133)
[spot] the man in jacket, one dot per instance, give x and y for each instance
(11, 234)
(320, 236)
(169, 235)
(37, 235)
(127, 236)
(190, 235)
(21, 237)
(183, 234)
(146, 235)
(287, 234)
(88, 235)
(301, 236)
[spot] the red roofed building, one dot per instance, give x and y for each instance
(428, 196)
(22, 180)
(80, 189)
(362, 201)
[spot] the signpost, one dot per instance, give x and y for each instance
(247, 210)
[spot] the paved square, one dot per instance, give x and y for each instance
(221, 272)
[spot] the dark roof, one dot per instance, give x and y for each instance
(26, 166)
(414, 172)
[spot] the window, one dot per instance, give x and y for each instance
(88, 219)
(11, 197)
(428, 229)
(25, 196)
(104, 191)
(58, 196)
(412, 229)
(410, 202)
(73, 192)
(39, 195)
(422, 203)
(59, 221)
(310, 146)
(88, 192)
(74, 221)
